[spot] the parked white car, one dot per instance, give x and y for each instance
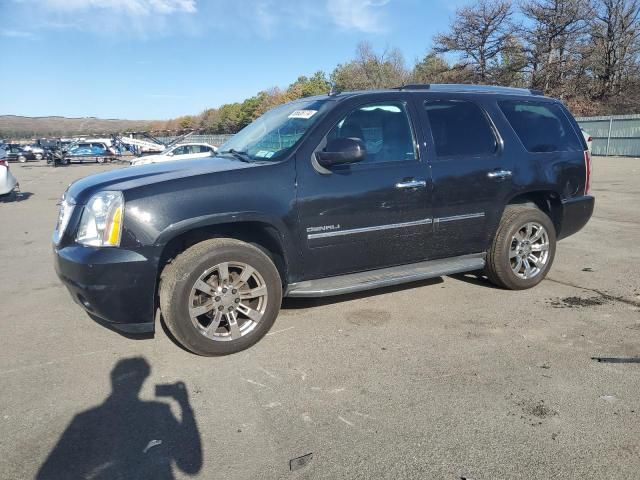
(587, 138)
(7, 181)
(183, 151)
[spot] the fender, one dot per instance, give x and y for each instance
(188, 224)
(290, 250)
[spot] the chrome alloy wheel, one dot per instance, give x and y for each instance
(228, 301)
(529, 251)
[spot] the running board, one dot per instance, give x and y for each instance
(384, 277)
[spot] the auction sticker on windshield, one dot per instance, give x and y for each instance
(303, 114)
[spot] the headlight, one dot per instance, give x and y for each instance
(101, 222)
(66, 209)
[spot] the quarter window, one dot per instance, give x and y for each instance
(460, 128)
(541, 127)
(384, 129)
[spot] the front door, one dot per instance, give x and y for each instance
(369, 214)
(471, 174)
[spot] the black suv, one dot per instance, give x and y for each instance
(325, 196)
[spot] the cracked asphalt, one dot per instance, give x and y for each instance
(443, 379)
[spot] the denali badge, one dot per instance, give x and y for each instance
(323, 228)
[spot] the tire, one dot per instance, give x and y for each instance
(100, 159)
(11, 196)
(38, 156)
(510, 246)
(22, 159)
(180, 299)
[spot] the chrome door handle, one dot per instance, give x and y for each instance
(499, 174)
(411, 184)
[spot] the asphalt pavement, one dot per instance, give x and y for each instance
(444, 379)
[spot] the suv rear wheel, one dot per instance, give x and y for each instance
(220, 296)
(523, 248)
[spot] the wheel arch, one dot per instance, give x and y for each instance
(263, 234)
(546, 200)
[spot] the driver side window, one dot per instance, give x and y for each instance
(384, 129)
(180, 150)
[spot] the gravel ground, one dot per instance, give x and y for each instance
(449, 378)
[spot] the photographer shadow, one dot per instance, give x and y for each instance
(126, 437)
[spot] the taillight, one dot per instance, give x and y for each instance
(587, 167)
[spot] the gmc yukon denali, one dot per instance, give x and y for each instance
(325, 196)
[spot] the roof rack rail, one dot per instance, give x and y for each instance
(414, 86)
(461, 87)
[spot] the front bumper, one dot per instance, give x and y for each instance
(115, 286)
(7, 181)
(576, 212)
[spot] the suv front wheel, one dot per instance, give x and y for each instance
(220, 296)
(523, 249)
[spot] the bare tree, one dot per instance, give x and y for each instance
(554, 34)
(615, 30)
(479, 32)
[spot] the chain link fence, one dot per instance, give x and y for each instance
(215, 140)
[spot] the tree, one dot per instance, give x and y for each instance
(479, 32)
(186, 122)
(510, 68)
(318, 84)
(431, 69)
(230, 118)
(370, 70)
(615, 31)
(554, 36)
(209, 119)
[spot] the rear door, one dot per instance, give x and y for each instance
(370, 214)
(471, 175)
(200, 151)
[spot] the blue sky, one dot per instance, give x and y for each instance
(157, 59)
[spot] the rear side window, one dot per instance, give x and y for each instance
(541, 127)
(460, 129)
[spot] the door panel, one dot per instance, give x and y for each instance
(471, 175)
(371, 214)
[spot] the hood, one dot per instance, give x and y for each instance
(132, 177)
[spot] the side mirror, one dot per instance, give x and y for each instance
(342, 150)
(170, 154)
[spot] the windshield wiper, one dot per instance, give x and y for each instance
(242, 156)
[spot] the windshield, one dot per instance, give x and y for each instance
(271, 137)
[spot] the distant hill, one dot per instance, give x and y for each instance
(17, 127)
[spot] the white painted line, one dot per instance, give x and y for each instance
(280, 331)
(254, 382)
(267, 373)
(345, 421)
